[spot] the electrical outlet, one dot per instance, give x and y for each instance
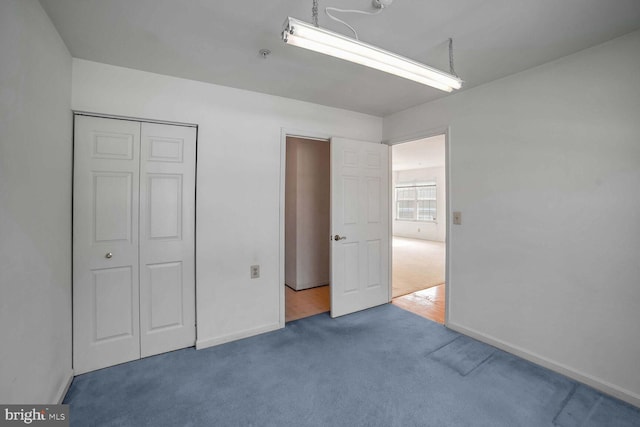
(255, 271)
(457, 218)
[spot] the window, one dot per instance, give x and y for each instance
(416, 203)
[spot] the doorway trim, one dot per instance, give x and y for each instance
(443, 130)
(284, 133)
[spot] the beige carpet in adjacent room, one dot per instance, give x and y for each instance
(417, 264)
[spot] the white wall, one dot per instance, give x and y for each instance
(545, 168)
(307, 209)
(238, 187)
(35, 206)
(426, 230)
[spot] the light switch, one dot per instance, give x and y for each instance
(255, 271)
(457, 218)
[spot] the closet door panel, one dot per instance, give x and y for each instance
(167, 238)
(105, 243)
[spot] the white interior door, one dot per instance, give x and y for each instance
(133, 240)
(105, 243)
(359, 225)
(167, 238)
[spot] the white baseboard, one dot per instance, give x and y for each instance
(598, 384)
(309, 285)
(64, 387)
(209, 342)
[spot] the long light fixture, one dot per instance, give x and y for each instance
(301, 34)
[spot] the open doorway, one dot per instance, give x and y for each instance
(307, 227)
(419, 226)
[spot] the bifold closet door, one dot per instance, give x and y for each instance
(133, 241)
(105, 243)
(167, 238)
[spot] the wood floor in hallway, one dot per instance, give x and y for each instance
(429, 303)
(411, 267)
(305, 303)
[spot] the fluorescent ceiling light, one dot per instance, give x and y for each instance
(301, 34)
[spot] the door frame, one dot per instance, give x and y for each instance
(284, 133)
(443, 130)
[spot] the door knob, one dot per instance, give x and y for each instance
(338, 237)
(108, 255)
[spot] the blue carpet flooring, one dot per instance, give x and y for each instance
(379, 367)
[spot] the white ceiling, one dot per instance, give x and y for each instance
(217, 41)
(421, 154)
